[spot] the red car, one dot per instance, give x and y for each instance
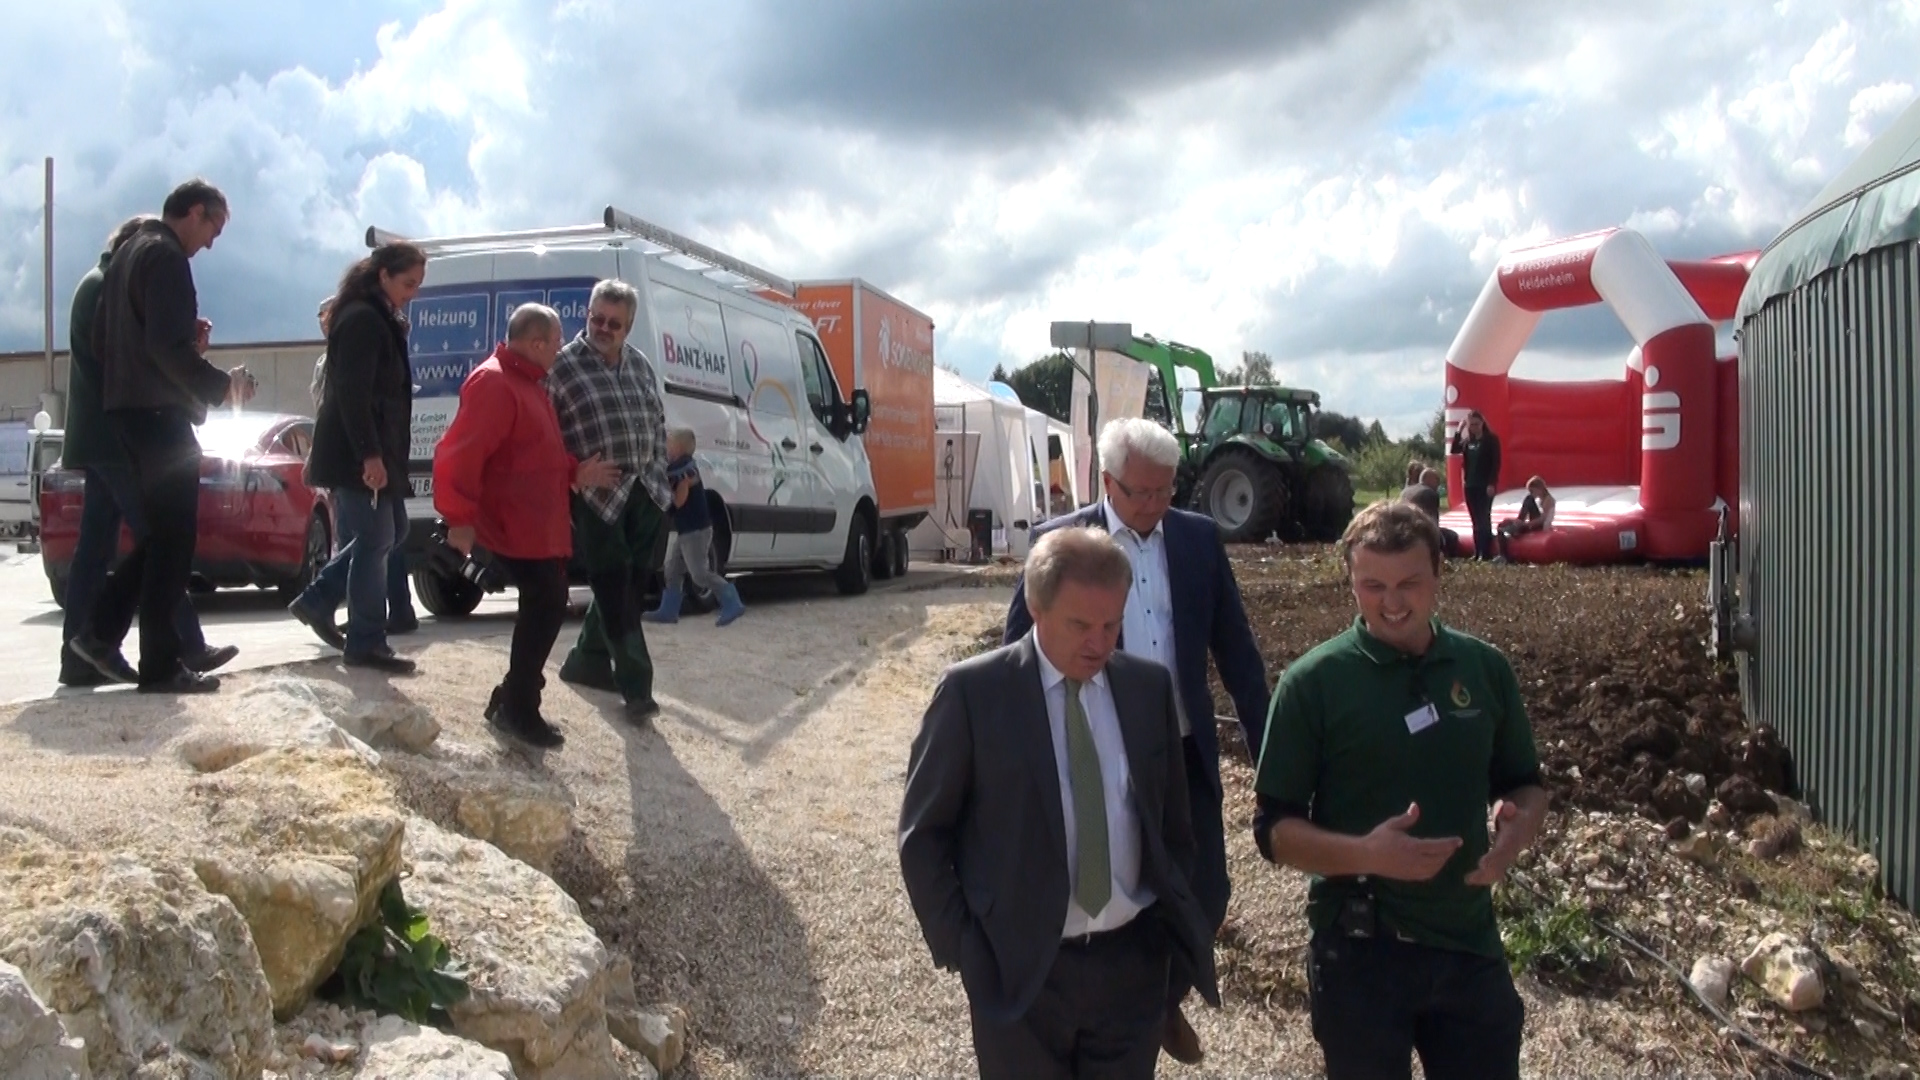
(260, 524)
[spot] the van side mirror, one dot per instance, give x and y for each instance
(862, 411)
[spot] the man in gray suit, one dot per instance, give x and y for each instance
(1046, 835)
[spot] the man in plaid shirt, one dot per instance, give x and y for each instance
(603, 392)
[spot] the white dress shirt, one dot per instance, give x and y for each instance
(1147, 627)
(1129, 897)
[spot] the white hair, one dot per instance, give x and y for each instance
(1123, 438)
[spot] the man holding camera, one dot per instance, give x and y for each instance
(156, 386)
(501, 479)
(1384, 749)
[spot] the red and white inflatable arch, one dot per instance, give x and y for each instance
(1638, 466)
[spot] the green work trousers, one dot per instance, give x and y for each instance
(611, 652)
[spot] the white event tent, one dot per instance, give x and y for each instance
(990, 454)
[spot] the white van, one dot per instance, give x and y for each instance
(780, 448)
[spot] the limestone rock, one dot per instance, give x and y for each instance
(394, 1049)
(1712, 979)
(538, 972)
(657, 1032)
(524, 818)
(155, 975)
(228, 742)
(34, 1044)
(378, 721)
(1788, 971)
(1699, 848)
(304, 842)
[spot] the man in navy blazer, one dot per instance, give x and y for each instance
(1183, 605)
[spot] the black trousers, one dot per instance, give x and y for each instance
(1099, 1014)
(1480, 509)
(165, 456)
(1211, 885)
(542, 584)
(1378, 1001)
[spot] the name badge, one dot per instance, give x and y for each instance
(1422, 718)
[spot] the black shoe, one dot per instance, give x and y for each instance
(639, 712)
(181, 681)
(320, 623)
(389, 662)
(592, 680)
(493, 705)
(405, 625)
(77, 673)
(210, 658)
(528, 728)
(106, 659)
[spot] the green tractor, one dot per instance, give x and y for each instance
(1252, 464)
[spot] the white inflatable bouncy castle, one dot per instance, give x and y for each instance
(1639, 467)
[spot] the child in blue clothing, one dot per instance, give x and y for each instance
(692, 538)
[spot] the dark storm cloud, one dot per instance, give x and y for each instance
(948, 70)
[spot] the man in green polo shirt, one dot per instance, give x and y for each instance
(1385, 748)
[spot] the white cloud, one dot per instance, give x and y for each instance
(1331, 190)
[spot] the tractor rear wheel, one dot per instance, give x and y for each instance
(1244, 494)
(1329, 503)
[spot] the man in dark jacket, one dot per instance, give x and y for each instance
(156, 386)
(111, 497)
(1183, 607)
(1045, 840)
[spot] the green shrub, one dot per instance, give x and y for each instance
(1557, 943)
(396, 965)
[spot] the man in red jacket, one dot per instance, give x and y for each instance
(502, 477)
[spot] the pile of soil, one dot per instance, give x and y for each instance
(1626, 702)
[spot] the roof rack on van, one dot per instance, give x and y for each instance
(616, 223)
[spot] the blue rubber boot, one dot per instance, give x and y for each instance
(730, 606)
(669, 609)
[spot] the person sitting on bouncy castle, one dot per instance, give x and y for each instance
(1536, 515)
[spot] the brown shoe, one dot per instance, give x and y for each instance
(1180, 1041)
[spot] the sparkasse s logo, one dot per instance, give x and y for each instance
(1659, 415)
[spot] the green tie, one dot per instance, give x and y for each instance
(1093, 878)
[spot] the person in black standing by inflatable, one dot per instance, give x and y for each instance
(1481, 448)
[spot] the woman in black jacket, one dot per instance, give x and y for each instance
(361, 439)
(1481, 448)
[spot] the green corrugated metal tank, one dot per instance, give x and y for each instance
(1817, 598)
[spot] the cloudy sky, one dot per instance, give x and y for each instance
(1329, 182)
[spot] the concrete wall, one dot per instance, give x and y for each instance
(283, 368)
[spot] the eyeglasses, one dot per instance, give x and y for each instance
(1158, 494)
(602, 322)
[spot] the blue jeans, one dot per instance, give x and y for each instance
(111, 498)
(364, 564)
(328, 589)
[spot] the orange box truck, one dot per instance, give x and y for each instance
(881, 345)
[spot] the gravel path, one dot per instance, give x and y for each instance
(751, 872)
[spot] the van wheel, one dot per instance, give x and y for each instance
(57, 585)
(856, 569)
(447, 596)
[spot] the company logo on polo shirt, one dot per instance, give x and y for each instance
(1461, 699)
